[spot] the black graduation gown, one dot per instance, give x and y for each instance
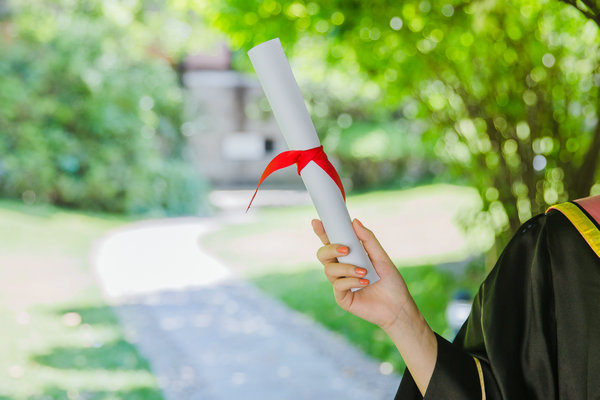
(534, 329)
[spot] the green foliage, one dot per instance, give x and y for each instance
(506, 94)
(373, 153)
(88, 118)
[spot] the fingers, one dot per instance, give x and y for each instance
(320, 231)
(328, 253)
(370, 242)
(336, 271)
(342, 285)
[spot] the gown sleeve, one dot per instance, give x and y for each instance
(507, 348)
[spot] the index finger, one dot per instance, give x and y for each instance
(320, 231)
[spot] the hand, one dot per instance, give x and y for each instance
(386, 302)
(381, 303)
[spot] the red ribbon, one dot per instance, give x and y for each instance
(301, 158)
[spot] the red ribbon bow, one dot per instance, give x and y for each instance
(301, 158)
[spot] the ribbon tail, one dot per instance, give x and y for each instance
(326, 166)
(280, 161)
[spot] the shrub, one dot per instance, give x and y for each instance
(88, 118)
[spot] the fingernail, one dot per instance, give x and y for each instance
(364, 282)
(361, 271)
(343, 249)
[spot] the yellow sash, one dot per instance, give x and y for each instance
(582, 223)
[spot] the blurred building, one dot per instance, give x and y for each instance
(229, 125)
(4, 11)
(5, 23)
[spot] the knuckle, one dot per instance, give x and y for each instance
(338, 284)
(331, 269)
(321, 253)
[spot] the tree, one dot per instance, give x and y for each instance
(89, 116)
(506, 95)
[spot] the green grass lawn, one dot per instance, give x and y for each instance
(59, 338)
(418, 228)
(62, 341)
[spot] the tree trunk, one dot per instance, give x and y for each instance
(587, 172)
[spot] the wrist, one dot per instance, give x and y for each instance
(407, 316)
(416, 342)
(411, 333)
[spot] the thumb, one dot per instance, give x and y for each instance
(370, 242)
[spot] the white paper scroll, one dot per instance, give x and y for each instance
(283, 94)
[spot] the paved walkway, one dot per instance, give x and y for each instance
(210, 335)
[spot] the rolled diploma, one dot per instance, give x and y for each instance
(282, 91)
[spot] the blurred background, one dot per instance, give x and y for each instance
(133, 133)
